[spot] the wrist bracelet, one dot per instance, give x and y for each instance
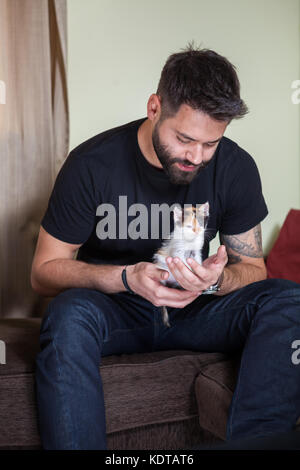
(124, 279)
(215, 287)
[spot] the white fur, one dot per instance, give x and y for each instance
(180, 248)
(184, 243)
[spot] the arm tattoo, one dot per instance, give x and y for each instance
(258, 240)
(233, 259)
(245, 244)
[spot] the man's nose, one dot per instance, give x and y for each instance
(195, 156)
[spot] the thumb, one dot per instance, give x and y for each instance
(221, 254)
(159, 274)
(163, 274)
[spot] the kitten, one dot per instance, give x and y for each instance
(186, 241)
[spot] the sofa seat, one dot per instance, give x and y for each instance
(156, 400)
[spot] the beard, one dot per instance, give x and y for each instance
(174, 173)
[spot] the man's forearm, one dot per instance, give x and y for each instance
(239, 275)
(57, 275)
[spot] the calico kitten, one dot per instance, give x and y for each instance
(186, 241)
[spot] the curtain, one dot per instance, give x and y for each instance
(33, 137)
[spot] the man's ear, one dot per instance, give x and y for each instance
(154, 108)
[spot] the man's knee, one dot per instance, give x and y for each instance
(281, 288)
(279, 301)
(72, 310)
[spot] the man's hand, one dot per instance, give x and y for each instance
(144, 279)
(203, 275)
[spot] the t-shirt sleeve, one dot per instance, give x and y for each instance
(71, 211)
(245, 203)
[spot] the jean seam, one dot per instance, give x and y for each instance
(64, 407)
(118, 331)
(277, 297)
(236, 391)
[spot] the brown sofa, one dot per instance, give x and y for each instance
(159, 400)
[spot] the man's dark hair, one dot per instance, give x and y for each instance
(204, 80)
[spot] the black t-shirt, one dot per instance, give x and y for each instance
(108, 178)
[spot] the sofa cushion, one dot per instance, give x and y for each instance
(152, 388)
(18, 416)
(284, 258)
(139, 389)
(215, 385)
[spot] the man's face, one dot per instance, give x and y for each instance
(189, 138)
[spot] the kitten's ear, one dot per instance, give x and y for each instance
(206, 209)
(203, 209)
(177, 215)
(204, 214)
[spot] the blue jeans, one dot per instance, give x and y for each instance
(80, 325)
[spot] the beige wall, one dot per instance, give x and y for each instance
(117, 49)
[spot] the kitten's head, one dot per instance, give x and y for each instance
(191, 222)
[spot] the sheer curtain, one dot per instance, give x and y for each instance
(33, 136)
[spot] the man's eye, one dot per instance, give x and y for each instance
(210, 145)
(183, 141)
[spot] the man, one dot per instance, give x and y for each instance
(101, 307)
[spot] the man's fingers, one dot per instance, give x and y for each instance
(157, 273)
(171, 294)
(184, 276)
(168, 296)
(201, 272)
